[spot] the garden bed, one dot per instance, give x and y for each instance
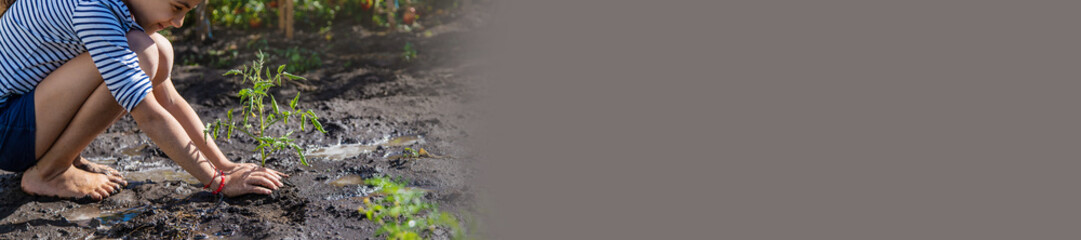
(371, 101)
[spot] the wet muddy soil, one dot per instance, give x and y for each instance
(372, 103)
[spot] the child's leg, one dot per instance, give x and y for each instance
(165, 61)
(73, 107)
(55, 175)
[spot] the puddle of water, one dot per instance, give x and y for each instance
(341, 152)
(134, 151)
(161, 175)
(85, 216)
(82, 216)
(347, 181)
(111, 219)
(421, 153)
(402, 141)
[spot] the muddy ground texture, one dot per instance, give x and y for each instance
(372, 103)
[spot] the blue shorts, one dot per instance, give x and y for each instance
(17, 125)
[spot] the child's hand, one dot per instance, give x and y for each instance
(237, 166)
(250, 178)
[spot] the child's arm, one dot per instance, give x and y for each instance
(170, 136)
(168, 97)
(178, 107)
(175, 104)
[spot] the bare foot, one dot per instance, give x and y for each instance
(93, 167)
(72, 183)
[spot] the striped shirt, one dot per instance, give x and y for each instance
(37, 36)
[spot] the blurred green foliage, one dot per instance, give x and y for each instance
(321, 14)
(300, 60)
(315, 17)
(402, 212)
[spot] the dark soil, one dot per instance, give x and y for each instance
(364, 92)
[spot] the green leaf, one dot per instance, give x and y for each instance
(293, 104)
(280, 69)
(300, 152)
(279, 82)
(261, 146)
(303, 118)
(276, 110)
(233, 72)
(217, 128)
(318, 126)
(293, 77)
(229, 115)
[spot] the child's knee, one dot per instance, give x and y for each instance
(147, 50)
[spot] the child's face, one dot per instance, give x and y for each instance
(155, 15)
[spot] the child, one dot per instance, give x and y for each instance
(70, 68)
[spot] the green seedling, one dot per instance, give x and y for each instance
(258, 113)
(408, 52)
(402, 212)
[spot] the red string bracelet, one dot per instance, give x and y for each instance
(211, 181)
(222, 184)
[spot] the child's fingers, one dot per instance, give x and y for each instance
(271, 171)
(274, 174)
(273, 178)
(258, 190)
(279, 173)
(262, 181)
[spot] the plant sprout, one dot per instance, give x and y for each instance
(257, 115)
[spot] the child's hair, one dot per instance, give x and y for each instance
(4, 4)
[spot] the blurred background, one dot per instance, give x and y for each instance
(303, 33)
